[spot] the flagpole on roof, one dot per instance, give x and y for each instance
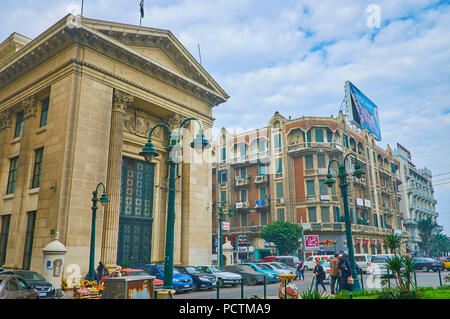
(141, 6)
(82, 7)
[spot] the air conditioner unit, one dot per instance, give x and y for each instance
(280, 200)
(223, 185)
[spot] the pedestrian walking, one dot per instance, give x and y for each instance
(301, 271)
(101, 271)
(346, 273)
(334, 272)
(320, 275)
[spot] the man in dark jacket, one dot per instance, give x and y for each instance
(320, 275)
(346, 272)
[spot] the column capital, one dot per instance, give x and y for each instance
(121, 101)
(5, 119)
(175, 120)
(29, 106)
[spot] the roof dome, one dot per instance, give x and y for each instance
(55, 246)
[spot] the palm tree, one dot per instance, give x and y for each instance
(393, 242)
(441, 244)
(427, 229)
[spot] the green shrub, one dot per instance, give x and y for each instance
(313, 294)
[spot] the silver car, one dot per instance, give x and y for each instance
(281, 266)
(223, 277)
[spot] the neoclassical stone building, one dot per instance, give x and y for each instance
(76, 107)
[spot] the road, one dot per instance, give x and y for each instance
(430, 279)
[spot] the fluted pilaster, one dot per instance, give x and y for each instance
(121, 101)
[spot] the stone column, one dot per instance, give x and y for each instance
(5, 125)
(120, 103)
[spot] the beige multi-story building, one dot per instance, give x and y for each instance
(278, 172)
(418, 197)
(76, 107)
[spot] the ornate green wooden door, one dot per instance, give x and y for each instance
(136, 213)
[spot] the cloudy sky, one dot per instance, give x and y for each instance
(295, 56)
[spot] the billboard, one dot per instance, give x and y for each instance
(361, 111)
(312, 242)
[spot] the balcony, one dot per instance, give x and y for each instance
(223, 185)
(280, 201)
(408, 222)
(311, 147)
(261, 179)
(317, 198)
(242, 205)
(360, 181)
(246, 229)
(239, 182)
(262, 204)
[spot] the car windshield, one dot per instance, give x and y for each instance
(214, 269)
(280, 265)
(192, 270)
(138, 273)
(175, 271)
(379, 259)
(265, 266)
(30, 275)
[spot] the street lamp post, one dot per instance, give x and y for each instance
(149, 152)
(103, 200)
(343, 185)
(221, 213)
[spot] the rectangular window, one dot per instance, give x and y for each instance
(345, 137)
(277, 141)
(337, 214)
(243, 149)
(323, 187)
(29, 236)
(333, 189)
(6, 219)
(263, 217)
(243, 195)
(223, 196)
(280, 190)
(19, 124)
(309, 163)
(44, 112)
(319, 135)
(312, 218)
(321, 161)
(261, 145)
(37, 168)
(280, 214)
(243, 219)
(222, 177)
(310, 188)
(329, 136)
(308, 136)
(224, 154)
(262, 169)
(262, 193)
(12, 176)
(325, 212)
(243, 172)
(279, 165)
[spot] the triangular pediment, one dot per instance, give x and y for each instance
(158, 45)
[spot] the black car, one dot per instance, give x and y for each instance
(426, 264)
(36, 281)
(201, 280)
(250, 276)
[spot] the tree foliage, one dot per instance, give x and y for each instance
(427, 230)
(284, 235)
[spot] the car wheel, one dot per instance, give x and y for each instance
(220, 282)
(425, 269)
(306, 268)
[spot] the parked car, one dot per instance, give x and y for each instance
(291, 261)
(377, 267)
(249, 276)
(283, 266)
(310, 262)
(35, 281)
(268, 259)
(158, 284)
(181, 282)
(426, 264)
(447, 263)
(363, 261)
(268, 266)
(15, 287)
(224, 277)
(201, 279)
(272, 275)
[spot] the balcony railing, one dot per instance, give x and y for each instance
(261, 179)
(298, 147)
(238, 181)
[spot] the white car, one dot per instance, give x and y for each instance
(310, 262)
(270, 266)
(223, 277)
(278, 265)
(364, 261)
(377, 267)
